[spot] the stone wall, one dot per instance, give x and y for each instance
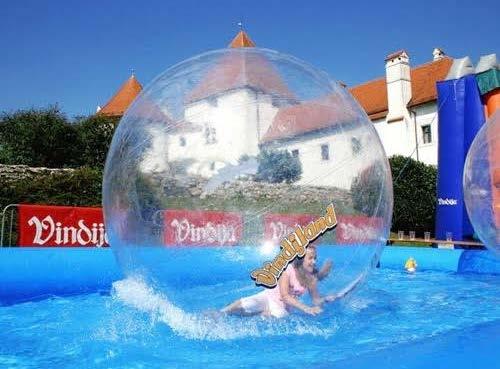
(250, 191)
(12, 173)
(274, 192)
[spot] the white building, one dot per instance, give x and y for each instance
(402, 106)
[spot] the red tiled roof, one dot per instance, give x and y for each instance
(120, 102)
(424, 78)
(149, 109)
(237, 69)
(247, 69)
(242, 40)
(372, 96)
(309, 116)
(314, 115)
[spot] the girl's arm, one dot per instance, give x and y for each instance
(325, 270)
(313, 290)
(284, 286)
(345, 291)
(317, 299)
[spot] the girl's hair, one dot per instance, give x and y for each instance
(304, 278)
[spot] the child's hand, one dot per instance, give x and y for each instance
(313, 310)
(330, 298)
(325, 269)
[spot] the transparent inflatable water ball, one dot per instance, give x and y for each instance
(482, 183)
(225, 154)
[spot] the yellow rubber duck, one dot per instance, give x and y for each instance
(411, 265)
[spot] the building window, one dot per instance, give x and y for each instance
(325, 152)
(210, 135)
(426, 134)
(182, 141)
(295, 153)
(355, 145)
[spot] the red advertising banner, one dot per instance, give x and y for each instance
(202, 228)
(278, 226)
(353, 229)
(350, 229)
(61, 226)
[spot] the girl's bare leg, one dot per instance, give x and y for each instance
(236, 308)
(233, 308)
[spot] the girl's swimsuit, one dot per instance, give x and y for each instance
(269, 302)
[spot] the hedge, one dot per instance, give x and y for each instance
(81, 187)
(414, 186)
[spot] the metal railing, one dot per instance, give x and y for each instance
(401, 237)
(8, 213)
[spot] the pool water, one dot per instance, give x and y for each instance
(395, 320)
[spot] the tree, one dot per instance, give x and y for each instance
(414, 186)
(38, 138)
(95, 134)
(278, 167)
(80, 187)
(366, 188)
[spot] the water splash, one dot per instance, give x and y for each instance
(135, 292)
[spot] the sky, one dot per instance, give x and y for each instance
(76, 54)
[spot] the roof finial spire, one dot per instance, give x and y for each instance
(132, 72)
(241, 39)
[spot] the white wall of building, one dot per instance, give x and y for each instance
(240, 118)
(344, 161)
(427, 115)
(401, 131)
(399, 137)
(236, 120)
(396, 137)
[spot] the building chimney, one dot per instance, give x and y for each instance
(398, 78)
(437, 54)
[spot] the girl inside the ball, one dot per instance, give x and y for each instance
(300, 277)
